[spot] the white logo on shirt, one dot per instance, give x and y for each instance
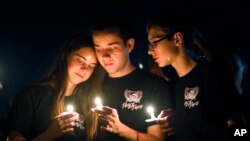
(132, 100)
(190, 97)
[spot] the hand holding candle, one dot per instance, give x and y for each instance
(98, 103)
(100, 109)
(150, 110)
(66, 121)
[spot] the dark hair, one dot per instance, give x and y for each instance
(172, 21)
(112, 23)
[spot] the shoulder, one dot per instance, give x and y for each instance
(147, 76)
(35, 91)
(214, 68)
(150, 80)
(37, 88)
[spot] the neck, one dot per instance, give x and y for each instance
(128, 68)
(184, 65)
(69, 89)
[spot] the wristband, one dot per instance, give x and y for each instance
(137, 136)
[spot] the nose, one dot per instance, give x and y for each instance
(150, 51)
(106, 54)
(84, 66)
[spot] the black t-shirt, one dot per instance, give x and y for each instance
(203, 100)
(130, 95)
(31, 111)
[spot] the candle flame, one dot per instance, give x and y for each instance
(150, 109)
(98, 101)
(70, 108)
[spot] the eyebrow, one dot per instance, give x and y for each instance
(113, 43)
(109, 44)
(157, 36)
(84, 58)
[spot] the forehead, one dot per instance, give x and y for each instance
(86, 52)
(107, 35)
(103, 38)
(155, 32)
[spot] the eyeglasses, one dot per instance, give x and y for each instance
(153, 45)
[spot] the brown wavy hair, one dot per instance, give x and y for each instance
(57, 77)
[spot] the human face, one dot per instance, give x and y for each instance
(81, 64)
(161, 48)
(112, 53)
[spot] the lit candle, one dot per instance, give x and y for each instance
(150, 110)
(98, 103)
(70, 108)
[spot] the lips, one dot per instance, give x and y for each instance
(108, 64)
(79, 75)
(155, 59)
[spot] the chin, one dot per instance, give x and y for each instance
(79, 81)
(110, 70)
(162, 65)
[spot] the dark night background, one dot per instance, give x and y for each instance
(31, 33)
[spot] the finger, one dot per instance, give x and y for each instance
(103, 121)
(162, 120)
(68, 130)
(100, 111)
(167, 112)
(110, 118)
(107, 129)
(69, 121)
(168, 130)
(68, 125)
(107, 109)
(163, 126)
(160, 115)
(66, 115)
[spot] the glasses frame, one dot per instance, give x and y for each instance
(153, 45)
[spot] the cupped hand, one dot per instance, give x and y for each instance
(163, 121)
(62, 124)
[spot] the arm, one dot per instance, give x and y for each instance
(115, 126)
(153, 134)
(15, 136)
(60, 125)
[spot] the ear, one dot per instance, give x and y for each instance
(178, 39)
(130, 44)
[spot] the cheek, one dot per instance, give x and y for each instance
(162, 52)
(88, 73)
(167, 51)
(72, 66)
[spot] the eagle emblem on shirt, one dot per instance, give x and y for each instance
(133, 99)
(190, 95)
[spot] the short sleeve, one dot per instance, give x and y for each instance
(21, 111)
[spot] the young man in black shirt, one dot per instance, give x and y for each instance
(202, 92)
(126, 89)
